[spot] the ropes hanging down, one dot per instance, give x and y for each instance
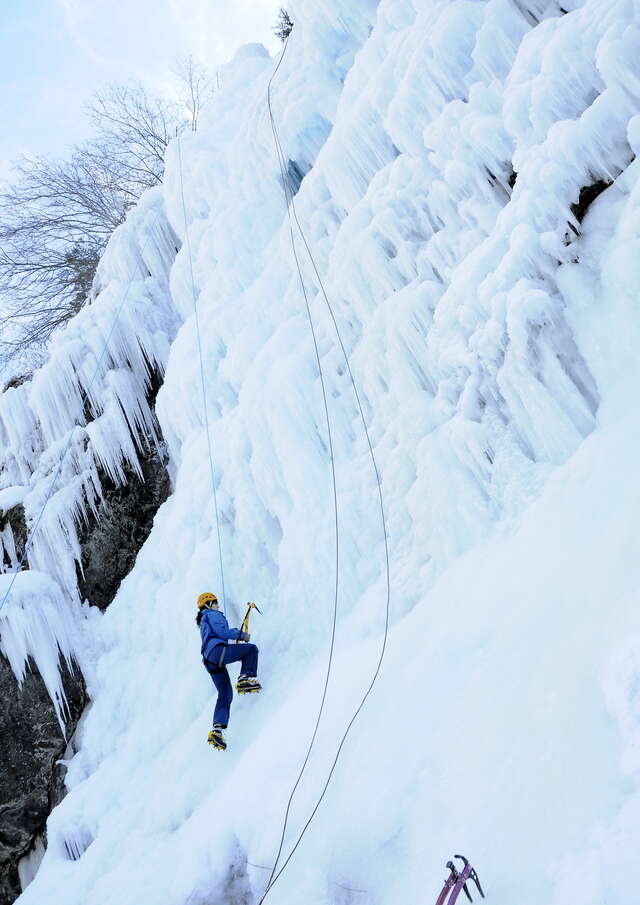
(202, 379)
(50, 490)
(292, 216)
(335, 500)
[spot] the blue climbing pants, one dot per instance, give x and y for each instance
(217, 668)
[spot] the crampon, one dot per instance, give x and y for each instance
(247, 685)
(216, 739)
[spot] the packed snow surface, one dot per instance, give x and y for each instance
(449, 150)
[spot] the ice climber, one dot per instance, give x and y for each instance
(217, 653)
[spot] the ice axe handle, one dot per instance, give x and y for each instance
(244, 628)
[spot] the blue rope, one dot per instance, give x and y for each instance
(49, 494)
(202, 380)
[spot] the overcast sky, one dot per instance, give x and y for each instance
(55, 53)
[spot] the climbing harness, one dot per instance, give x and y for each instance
(457, 882)
(293, 216)
(202, 380)
(245, 622)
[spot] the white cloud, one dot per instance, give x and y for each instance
(72, 48)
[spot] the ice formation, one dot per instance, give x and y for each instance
(84, 412)
(442, 152)
(37, 622)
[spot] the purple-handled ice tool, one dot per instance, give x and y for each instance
(449, 883)
(457, 881)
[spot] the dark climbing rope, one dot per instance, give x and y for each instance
(202, 380)
(289, 200)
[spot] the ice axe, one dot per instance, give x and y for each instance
(467, 873)
(245, 622)
(456, 882)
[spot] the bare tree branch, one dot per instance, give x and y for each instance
(197, 89)
(57, 215)
(283, 26)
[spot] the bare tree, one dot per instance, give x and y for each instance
(54, 221)
(196, 87)
(283, 26)
(133, 131)
(56, 216)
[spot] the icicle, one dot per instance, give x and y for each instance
(86, 408)
(37, 622)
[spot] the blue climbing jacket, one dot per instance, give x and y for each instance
(214, 630)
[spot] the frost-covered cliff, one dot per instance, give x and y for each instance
(451, 152)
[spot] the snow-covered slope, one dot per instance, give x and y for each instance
(444, 144)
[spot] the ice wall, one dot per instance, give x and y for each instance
(491, 327)
(84, 413)
(36, 622)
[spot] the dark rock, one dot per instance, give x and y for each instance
(16, 381)
(588, 194)
(110, 545)
(15, 518)
(31, 742)
(30, 783)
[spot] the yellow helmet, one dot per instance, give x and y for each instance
(206, 599)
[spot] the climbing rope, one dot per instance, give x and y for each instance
(49, 493)
(202, 380)
(291, 208)
(335, 504)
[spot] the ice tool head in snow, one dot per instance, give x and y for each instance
(206, 600)
(456, 882)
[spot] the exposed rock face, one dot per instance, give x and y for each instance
(30, 783)
(30, 738)
(110, 547)
(15, 520)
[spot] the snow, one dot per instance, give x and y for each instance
(28, 866)
(495, 353)
(10, 497)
